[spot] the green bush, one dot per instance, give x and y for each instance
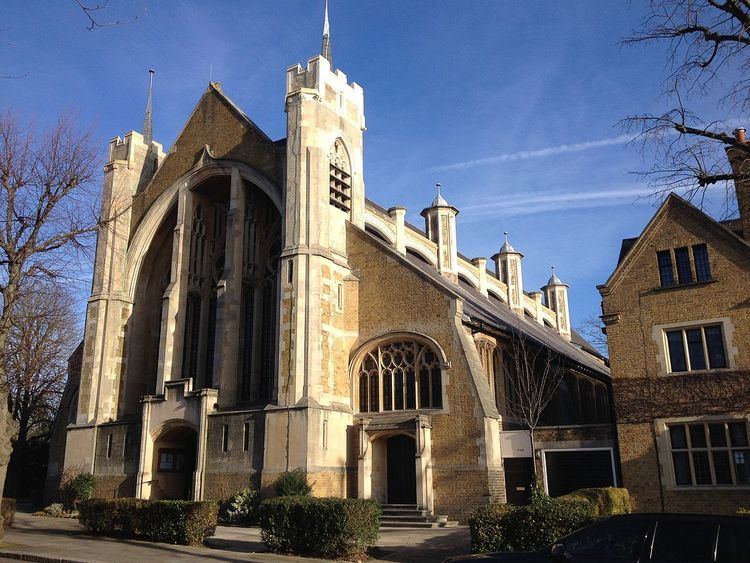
(75, 487)
(320, 527)
(527, 528)
(292, 483)
(169, 521)
(606, 501)
(242, 508)
(8, 511)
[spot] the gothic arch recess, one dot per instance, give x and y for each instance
(206, 255)
(400, 371)
(143, 341)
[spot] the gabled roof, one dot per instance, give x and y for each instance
(631, 247)
(500, 317)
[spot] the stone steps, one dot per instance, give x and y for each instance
(411, 516)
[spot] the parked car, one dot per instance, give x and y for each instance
(678, 538)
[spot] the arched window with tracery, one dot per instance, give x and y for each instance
(399, 375)
(340, 180)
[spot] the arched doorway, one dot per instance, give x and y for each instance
(174, 463)
(401, 476)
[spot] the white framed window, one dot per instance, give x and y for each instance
(705, 453)
(695, 348)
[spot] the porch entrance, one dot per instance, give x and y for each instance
(174, 464)
(401, 469)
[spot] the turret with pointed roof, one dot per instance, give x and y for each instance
(556, 298)
(440, 226)
(508, 271)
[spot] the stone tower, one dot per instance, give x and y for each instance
(324, 191)
(131, 164)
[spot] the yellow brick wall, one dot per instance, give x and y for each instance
(642, 393)
(394, 298)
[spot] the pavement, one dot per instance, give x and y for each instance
(64, 540)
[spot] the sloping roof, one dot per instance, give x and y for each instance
(673, 201)
(481, 309)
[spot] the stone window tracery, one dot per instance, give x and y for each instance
(400, 375)
(261, 261)
(340, 179)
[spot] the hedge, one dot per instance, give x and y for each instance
(606, 501)
(320, 527)
(169, 521)
(8, 511)
(503, 527)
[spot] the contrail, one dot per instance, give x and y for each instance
(538, 153)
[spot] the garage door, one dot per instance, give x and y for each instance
(567, 471)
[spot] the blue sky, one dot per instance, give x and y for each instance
(512, 106)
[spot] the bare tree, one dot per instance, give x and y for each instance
(39, 343)
(591, 328)
(707, 42)
(46, 216)
(535, 376)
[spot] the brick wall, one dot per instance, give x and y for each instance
(643, 392)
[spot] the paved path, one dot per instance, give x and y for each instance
(37, 538)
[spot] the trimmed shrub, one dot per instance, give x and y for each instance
(8, 511)
(320, 527)
(527, 528)
(605, 501)
(242, 508)
(169, 521)
(75, 486)
(292, 483)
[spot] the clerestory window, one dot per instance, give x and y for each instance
(400, 375)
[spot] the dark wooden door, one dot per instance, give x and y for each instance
(402, 477)
(519, 472)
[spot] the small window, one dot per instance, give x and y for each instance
(684, 271)
(710, 453)
(171, 461)
(702, 265)
(109, 445)
(696, 348)
(246, 437)
(290, 271)
(666, 274)
(340, 297)
(224, 437)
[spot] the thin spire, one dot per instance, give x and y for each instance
(148, 123)
(325, 48)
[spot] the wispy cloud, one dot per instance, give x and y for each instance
(538, 153)
(541, 202)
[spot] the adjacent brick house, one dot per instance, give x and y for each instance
(677, 316)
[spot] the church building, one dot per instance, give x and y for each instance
(253, 312)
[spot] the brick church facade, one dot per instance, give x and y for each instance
(253, 312)
(677, 316)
